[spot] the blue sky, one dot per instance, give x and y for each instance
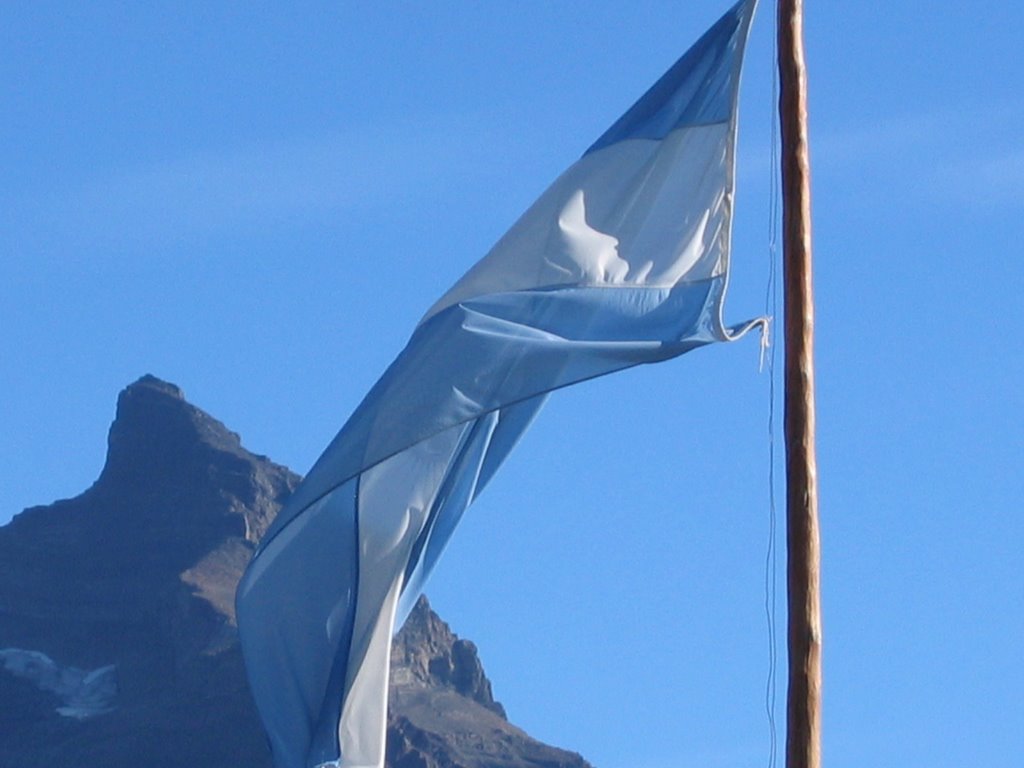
(259, 203)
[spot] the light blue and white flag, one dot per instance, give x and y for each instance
(622, 261)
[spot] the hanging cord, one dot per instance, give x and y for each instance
(771, 303)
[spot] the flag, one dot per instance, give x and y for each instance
(622, 261)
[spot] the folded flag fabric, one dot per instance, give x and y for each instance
(622, 261)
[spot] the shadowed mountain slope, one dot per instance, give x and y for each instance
(118, 644)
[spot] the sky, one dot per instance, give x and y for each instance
(257, 202)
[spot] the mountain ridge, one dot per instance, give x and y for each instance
(118, 644)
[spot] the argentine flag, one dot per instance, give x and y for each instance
(622, 261)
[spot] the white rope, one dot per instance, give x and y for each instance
(768, 353)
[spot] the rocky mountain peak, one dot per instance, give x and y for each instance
(118, 645)
(157, 436)
(165, 454)
(427, 654)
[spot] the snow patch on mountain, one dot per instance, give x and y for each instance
(83, 693)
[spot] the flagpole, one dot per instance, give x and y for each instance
(803, 706)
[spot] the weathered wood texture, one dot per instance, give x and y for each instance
(803, 734)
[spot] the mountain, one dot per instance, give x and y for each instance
(118, 644)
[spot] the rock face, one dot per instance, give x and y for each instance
(118, 644)
(443, 714)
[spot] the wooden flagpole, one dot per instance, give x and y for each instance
(803, 707)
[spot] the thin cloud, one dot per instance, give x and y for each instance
(258, 186)
(991, 180)
(964, 157)
(279, 180)
(851, 147)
